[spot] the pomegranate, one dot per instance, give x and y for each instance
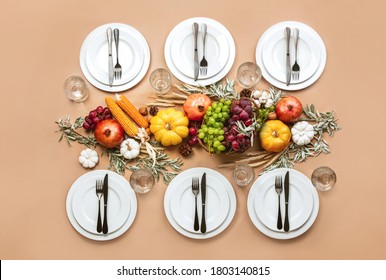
(109, 133)
(289, 109)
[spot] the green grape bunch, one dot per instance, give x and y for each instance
(211, 131)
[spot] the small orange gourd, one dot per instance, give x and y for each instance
(275, 136)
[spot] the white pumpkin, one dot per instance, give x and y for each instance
(88, 158)
(130, 148)
(302, 133)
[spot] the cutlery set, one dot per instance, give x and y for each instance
(279, 188)
(115, 72)
(196, 191)
(200, 68)
(102, 191)
(294, 71)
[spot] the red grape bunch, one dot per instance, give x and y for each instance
(241, 111)
(95, 116)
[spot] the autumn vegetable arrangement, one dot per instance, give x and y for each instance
(217, 118)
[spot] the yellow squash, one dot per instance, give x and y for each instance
(169, 126)
(275, 136)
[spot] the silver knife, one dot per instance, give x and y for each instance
(105, 197)
(288, 60)
(110, 61)
(203, 199)
(196, 64)
(286, 197)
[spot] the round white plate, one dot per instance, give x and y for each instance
(99, 175)
(212, 24)
(182, 49)
(266, 202)
(211, 176)
(305, 182)
(129, 82)
(274, 57)
(183, 207)
(303, 28)
(130, 55)
(85, 205)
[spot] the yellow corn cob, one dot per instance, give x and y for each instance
(130, 110)
(130, 128)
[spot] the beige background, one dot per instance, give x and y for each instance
(40, 43)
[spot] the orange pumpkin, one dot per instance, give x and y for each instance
(275, 136)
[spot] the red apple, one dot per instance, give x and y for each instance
(289, 109)
(109, 133)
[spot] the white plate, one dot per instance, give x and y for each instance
(188, 24)
(182, 49)
(305, 182)
(85, 205)
(211, 175)
(217, 204)
(113, 177)
(130, 55)
(266, 202)
(302, 28)
(130, 79)
(274, 57)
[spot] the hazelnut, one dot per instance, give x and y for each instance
(143, 111)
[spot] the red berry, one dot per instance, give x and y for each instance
(86, 126)
(92, 114)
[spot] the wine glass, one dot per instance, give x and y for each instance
(248, 74)
(323, 178)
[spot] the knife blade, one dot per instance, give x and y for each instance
(286, 198)
(195, 57)
(203, 200)
(105, 197)
(288, 60)
(110, 53)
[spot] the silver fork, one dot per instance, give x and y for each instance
(296, 68)
(195, 190)
(117, 67)
(279, 189)
(99, 193)
(203, 63)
